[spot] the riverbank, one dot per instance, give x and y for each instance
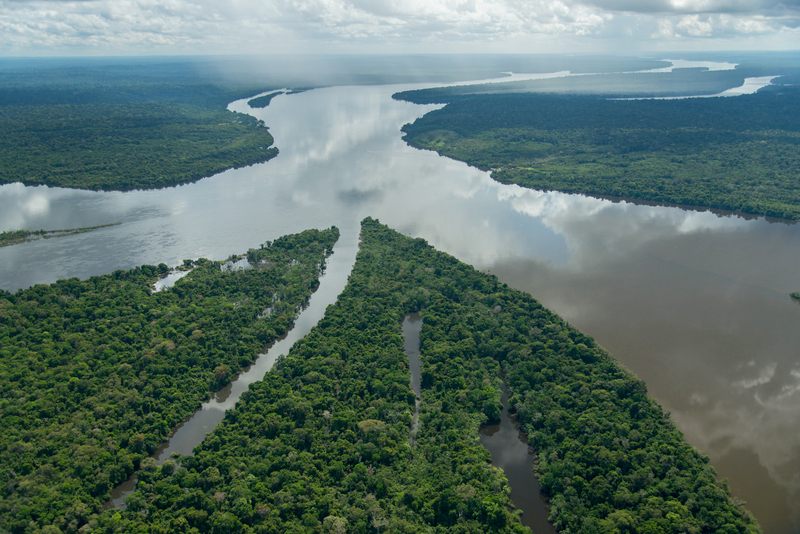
(144, 124)
(735, 154)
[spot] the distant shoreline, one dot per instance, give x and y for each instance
(16, 237)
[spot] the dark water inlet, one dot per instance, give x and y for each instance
(412, 326)
(510, 452)
(194, 430)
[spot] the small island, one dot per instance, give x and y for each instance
(263, 101)
(15, 237)
(796, 296)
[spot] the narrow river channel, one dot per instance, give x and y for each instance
(192, 432)
(412, 326)
(511, 453)
(508, 447)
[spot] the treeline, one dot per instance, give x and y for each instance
(739, 154)
(123, 126)
(322, 444)
(96, 373)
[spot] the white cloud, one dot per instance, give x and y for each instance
(694, 26)
(203, 26)
(699, 6)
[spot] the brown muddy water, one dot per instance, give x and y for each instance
(511, 453)
(412, 326)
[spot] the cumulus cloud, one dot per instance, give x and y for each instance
(144, 26)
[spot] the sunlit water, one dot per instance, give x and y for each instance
(694, 303)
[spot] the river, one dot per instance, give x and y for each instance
(412, 327)
(695, 303)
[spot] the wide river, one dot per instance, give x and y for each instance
(695, 303)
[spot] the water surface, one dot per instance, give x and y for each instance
(694, 303)
(412, 326)
(510, 452)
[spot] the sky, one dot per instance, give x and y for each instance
(111, 27)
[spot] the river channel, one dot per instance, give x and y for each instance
(695, 303)
(510, 452)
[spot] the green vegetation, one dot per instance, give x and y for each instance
(122, 127)
(796, 296)
(264, 100)
(322, 443)
(740, 154)
(95, 374)
(14, 237)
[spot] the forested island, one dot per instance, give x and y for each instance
(15, 237)
(796, 296)
(263, 100)
(736, 154)
(97, 373)
(123, 126)
(323, 443)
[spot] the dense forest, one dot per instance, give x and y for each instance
(323, 442)
(123, 126)
(740, 154)
(96, 373)
(15, 237)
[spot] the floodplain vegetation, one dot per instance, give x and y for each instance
(323, 443)
(737, 154)
(123, 126)
(97, 373)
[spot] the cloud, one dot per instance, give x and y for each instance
(205, 26)
(772, 7)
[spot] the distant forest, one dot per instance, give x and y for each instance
(739, 154)
(123, 126)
